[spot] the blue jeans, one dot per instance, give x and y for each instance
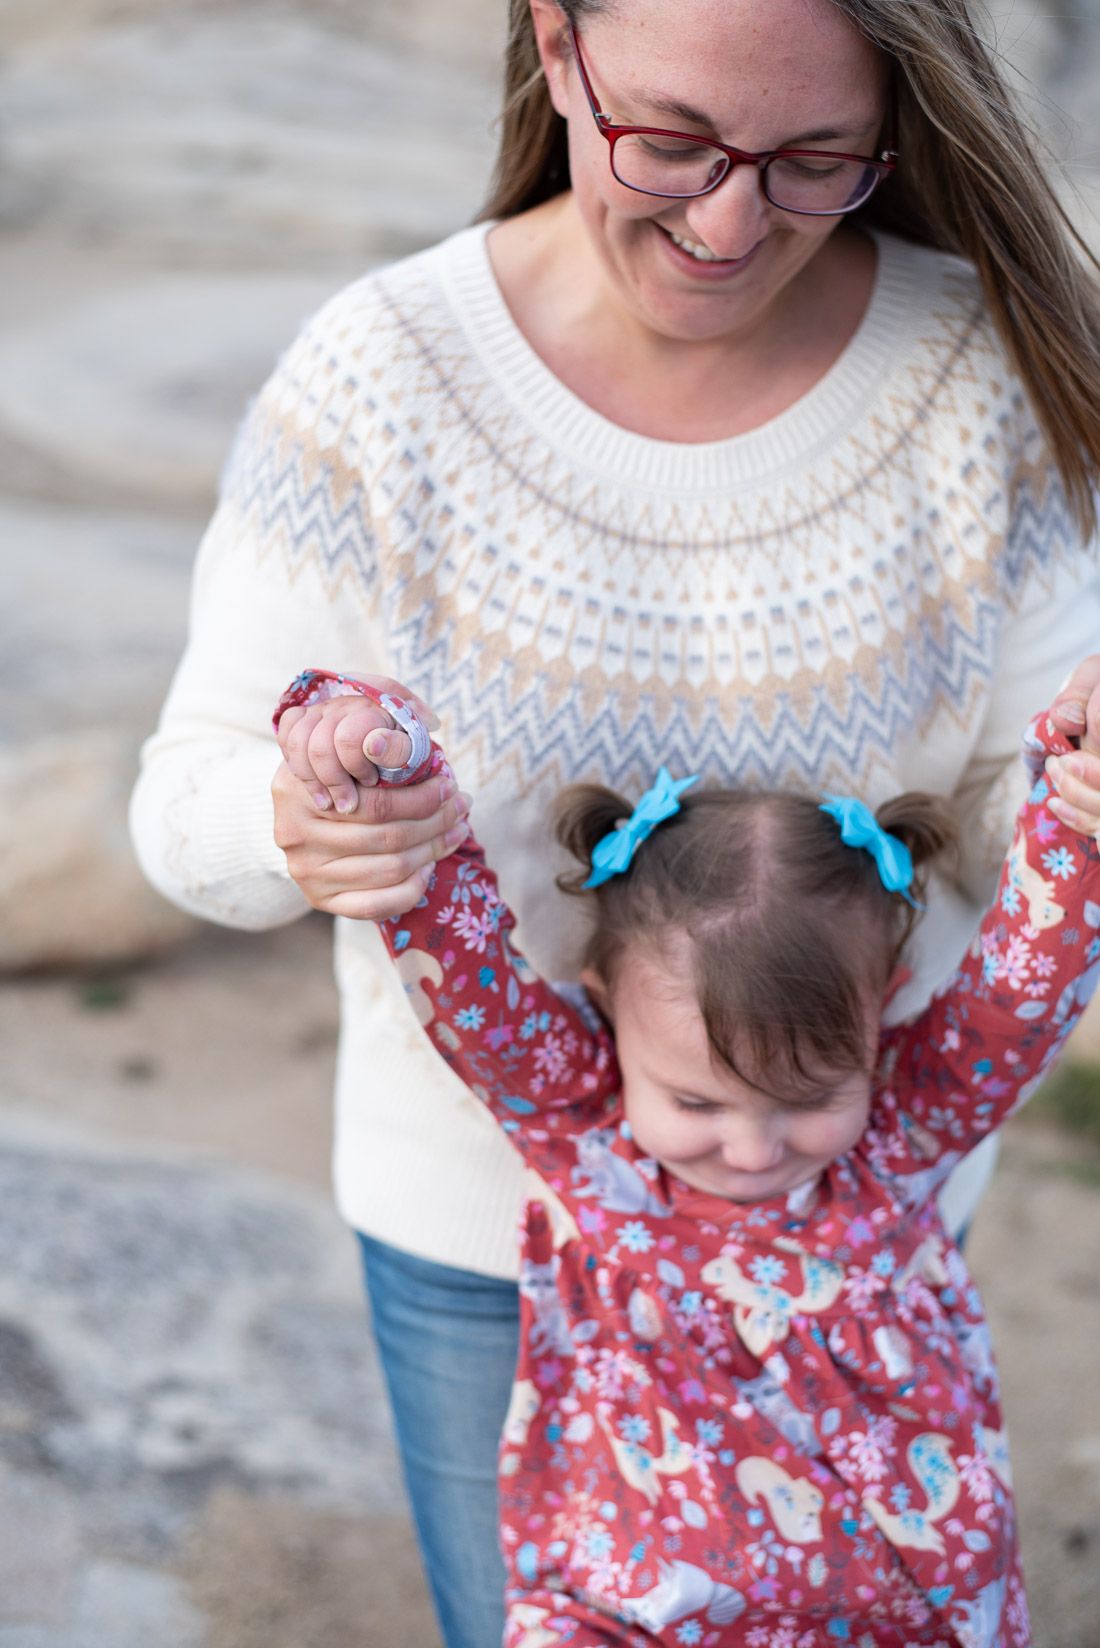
(448, 1341)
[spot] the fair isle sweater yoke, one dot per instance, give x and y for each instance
(872, 592)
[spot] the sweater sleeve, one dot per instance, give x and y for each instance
(1049, 629)
(286, 570)
(982, 1045)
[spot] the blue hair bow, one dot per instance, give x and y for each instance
(860, 828)
(614, 851)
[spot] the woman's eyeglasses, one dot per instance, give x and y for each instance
(677, 166)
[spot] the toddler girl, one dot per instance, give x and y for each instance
(756, 1402)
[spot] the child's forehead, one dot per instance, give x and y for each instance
(657, 1009)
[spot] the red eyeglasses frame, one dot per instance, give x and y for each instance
(882, 167)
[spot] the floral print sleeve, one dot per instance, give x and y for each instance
(529, 1052)
(982, 1044)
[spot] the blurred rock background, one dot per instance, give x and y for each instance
(193, 1445)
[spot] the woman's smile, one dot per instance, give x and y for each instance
(696, 260)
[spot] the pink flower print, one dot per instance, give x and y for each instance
(548, 1372)
(550, 1059)
(476, 929)
(1016, 962)
(1046, 827)
(592, 1220)
(976, 1477)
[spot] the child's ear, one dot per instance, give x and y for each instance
(598, 990)
(898, 979)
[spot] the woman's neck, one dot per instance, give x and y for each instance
(563, 302)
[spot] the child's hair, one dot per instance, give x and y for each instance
(786, 933)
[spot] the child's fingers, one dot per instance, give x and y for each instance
(324, 749)
(1076, 778)
(387, 747)
(354, 733)
(295, 730)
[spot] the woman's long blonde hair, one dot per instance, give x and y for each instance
(968, 181)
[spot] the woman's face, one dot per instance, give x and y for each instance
(758, 76)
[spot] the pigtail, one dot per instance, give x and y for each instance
(927, 825)
(583, 815)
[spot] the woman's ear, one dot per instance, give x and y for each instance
(555, 51)
(599, 992)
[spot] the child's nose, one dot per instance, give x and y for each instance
(752, 1147)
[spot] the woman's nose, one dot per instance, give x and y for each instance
(733, 217)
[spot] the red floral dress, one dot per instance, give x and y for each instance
(772, 1425)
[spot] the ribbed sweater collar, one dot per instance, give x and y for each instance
(591, 443)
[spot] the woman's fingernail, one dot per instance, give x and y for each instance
(377, 743)
(347, 803)
(1073, 712)
(322, 799)
(447, 789)
(465, 802)
(456, 834)
(1061, 809)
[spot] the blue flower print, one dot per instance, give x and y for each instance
(884, 1263)
(634, 1428)
(692, 1302)
(690, 1631)
(709, 1431)
(1010, 899)
(1060, 862)
(767, 1269)
(635, 1237)
(470, 1018)
(598, 1544)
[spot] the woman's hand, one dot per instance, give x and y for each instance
(336, 746)
(374, 862)
(1076, 777)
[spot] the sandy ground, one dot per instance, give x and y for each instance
(193, 1438)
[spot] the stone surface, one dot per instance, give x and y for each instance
(93, 615)
(158, 374)
(264, 134)
(187, 1379)
(70, 889)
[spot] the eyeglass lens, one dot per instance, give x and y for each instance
(677, 167)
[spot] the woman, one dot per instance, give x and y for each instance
(693, 451)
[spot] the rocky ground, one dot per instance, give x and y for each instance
(193, 1445)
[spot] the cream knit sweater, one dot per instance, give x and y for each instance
(870, 593)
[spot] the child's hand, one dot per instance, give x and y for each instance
(1076, 776)
(332, 746)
